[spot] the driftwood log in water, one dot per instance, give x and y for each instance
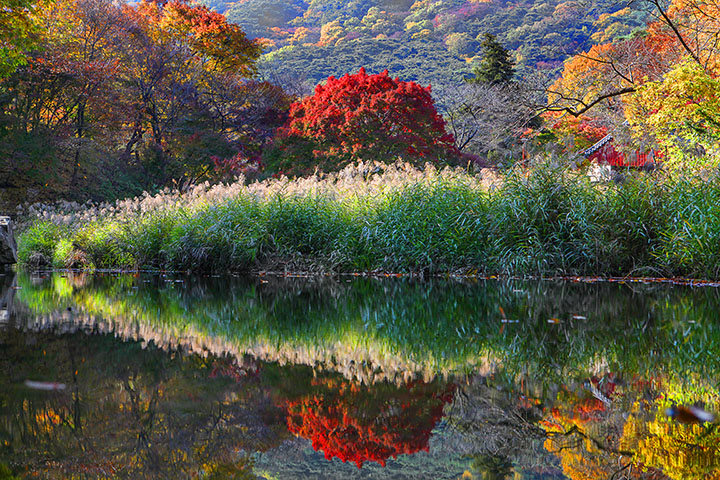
(8, 248)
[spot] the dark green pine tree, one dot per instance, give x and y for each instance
(496, 66)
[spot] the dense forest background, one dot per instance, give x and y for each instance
(428, 41)
(101, 100)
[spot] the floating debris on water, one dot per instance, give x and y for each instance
(46, 386)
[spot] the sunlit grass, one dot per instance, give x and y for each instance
(543, 221)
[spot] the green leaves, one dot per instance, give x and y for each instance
(17, 33)
(496, 67)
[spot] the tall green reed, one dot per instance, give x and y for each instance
(543, 221)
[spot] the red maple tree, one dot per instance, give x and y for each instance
(362, 117)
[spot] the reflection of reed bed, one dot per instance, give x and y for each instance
(371, 328)
(367, 364)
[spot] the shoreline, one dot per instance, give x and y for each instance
(260, 274)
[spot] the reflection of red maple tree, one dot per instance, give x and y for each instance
(361, 423)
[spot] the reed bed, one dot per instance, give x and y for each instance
(543, 221)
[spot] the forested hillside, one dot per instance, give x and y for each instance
(103, 100)
(424, 40)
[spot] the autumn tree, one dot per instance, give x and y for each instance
(362, 117)
(661, 82)
(17, 31)
(181, 58)
(682, 111)
(609, 72)
(120, 98)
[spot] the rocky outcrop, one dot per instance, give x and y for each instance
(8, 248)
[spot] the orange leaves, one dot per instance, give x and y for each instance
(600, 76)
(207, 32)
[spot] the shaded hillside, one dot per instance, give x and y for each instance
(425, 40)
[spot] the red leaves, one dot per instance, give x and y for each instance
(359, 423)
(371, 117)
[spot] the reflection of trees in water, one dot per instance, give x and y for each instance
(498, 429)
(622, 432)
(361, 423)
(596, 428)
(378, 330)
(126, 412)
(375, 330)
(492, 467)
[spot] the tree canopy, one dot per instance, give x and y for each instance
(17, 32)
(364, 117)
(496, 66)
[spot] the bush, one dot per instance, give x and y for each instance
(36, 245)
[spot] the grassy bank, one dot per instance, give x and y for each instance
(546, 221)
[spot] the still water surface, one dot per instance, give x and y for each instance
(141, 376)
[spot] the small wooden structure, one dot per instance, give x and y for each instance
(8, 247)
(605, 152)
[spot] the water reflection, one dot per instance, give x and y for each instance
(183, 377)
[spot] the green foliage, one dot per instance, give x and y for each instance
(37, 244)
(496, 66)
(62, 256)
(437, 326)
(103, 246)
(305, 225)
(551, 221)
(217, 237)
(6, 473)
(547, 221)
(442, 36)
(415, 60)
(17, 32)
(427, 227)
(256, 17)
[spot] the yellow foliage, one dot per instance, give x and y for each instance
(422, 33)
(682, 110)
(683, 452)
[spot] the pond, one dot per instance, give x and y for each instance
(171, 376)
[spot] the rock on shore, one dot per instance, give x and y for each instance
(8, 248)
